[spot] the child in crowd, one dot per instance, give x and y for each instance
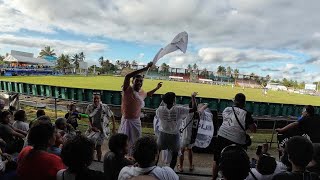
(187, 140)
(64, 129)
(72, 116)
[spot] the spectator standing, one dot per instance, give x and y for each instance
(99, 116)
(170, 116)
(132, 103)
(116, 159)
(187, 125)
(77, 154)
(145, 152)
(236, 120)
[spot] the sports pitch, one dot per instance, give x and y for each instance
(180, 88)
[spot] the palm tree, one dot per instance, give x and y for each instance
(164, 68)
(47, 51)
(205, 73)
(229, 71)
(221, 70)
(189, 68)
(82, 56)
(75, 60)
(134, 64)
(236, 73)
(195, 66)
(63, 62)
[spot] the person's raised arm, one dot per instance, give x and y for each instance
(127, 78)
(194, 102)
(150, 93)
(205, 106)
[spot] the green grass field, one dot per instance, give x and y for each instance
(180, 88)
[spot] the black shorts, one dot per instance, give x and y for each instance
(220, 144)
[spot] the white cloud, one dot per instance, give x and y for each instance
(232, 55)
(60, 46)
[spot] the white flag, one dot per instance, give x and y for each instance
(180, 42)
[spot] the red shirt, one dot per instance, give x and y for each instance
(38, 165)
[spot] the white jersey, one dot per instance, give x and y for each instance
(230, 128)
(170, 119)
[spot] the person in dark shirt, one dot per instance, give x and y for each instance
(300, 151)
(115, 159)
(309, 123)
(73, 116)
(77, 154)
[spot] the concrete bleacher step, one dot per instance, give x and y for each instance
(197, 173)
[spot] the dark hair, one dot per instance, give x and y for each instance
(20, 115)
(4, 114)
(60, 121)
(40, 134)
(77, 153)
(117, 143)
(40, 112)
(138, 76)
(300, 151)
(235, 163)
(266, 164)
(310, 110)
(240, 99)
(71, 105)
(168, 98)
(145, 150)
(43, 120)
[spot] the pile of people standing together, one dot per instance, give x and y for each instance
(42, 150)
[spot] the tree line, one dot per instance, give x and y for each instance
(65, 62)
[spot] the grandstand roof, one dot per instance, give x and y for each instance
(26, 60)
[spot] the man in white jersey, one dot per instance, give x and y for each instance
(170, 117)
(230, 131)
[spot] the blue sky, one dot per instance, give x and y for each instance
(265, 37)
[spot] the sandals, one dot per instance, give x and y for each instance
(191, 168)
